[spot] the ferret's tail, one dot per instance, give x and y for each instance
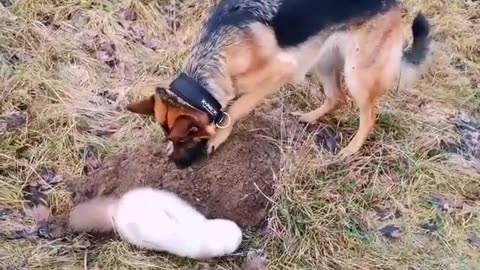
(416, 59)
(95, 215)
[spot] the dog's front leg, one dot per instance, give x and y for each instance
(274, 75)
(239, 109)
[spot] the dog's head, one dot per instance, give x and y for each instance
(187, 129)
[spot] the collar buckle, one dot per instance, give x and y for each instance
(224, 114)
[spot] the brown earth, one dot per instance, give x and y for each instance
(231, 184)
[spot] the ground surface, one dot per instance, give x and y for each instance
(409, 200)
(234, 183)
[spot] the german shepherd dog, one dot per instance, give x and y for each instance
(248, 49)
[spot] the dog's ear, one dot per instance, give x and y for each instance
(184, 126)
(191, 126)
(145, 106)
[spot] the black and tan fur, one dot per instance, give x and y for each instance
(248, 49)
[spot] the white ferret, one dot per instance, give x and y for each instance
(158, 220)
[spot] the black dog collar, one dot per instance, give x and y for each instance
(197, 96)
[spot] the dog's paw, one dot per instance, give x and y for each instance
(346, 152)
(210, 148)
(305, 117)
(218, 139)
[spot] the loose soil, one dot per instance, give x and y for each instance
(232, 183)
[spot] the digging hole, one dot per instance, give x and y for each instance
(234, 183)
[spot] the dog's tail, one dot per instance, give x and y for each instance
(417, 57)
(95, 215)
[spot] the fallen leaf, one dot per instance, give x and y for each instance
(102, 133)
(106, 94)
(391, 231)
(106, 54)
(15, 224)
(4, 212)
(95, 267)
(468, 211)
(465, 121)
(25, 152)
(22, 234)
(439, 203)
(34, 196)
(43, 229)
(33, 223)
(469, 129)
(79, 19)
(6, 3)
(13, 121)
(136, 34)
(450, 147)
(474, 239)
(172, 15)
(203, 266)
(150, 43)
(90, 158)
(88, 40)
(264, 230)
(128, 15)
(326, 139)
(430, 226)
(449, 205)
(255, 260)
(48, 178)
(387, 212)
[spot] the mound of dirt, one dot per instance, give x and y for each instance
(232, 183)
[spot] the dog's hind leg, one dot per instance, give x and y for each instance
(327, 71)
(334, 97)
(367, 77)
(372, 56)
(365, 95)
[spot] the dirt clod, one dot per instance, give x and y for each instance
(232, 183)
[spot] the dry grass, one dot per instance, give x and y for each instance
(54, 65)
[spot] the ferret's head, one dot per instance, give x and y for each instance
(225, 237)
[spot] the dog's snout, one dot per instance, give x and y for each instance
(182, 163)
(185, 155)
